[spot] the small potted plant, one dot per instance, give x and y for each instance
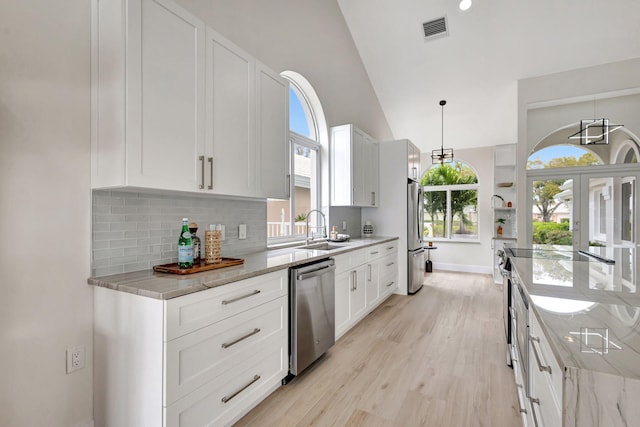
(500, 222)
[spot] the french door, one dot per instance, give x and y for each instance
(582, 207)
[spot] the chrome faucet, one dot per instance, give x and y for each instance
(324, 225)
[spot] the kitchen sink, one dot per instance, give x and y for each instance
(320, 246)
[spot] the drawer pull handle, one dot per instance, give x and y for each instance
(390, 284)
(390, 264)
(535, 353)
(390, 247)
(227, 345)
(229, 301)
(374, 253)
(231, 396)
(534, 402)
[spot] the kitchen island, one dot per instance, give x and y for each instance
(585, 320)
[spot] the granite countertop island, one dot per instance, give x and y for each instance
(166, 286)
(590, 313)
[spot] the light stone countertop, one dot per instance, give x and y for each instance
(590, 314)
(166, 286)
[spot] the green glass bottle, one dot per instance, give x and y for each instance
(185, 246)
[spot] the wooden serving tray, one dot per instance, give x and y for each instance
(174, 269)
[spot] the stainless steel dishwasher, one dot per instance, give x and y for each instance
(311, 313)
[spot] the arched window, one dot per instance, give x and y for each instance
(450, 202)
(286, 219)
(562, 156)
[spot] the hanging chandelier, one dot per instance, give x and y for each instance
(594, 131)
(443, 155)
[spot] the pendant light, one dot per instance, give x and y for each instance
(443, 155)
(594, 131)
(465, 4)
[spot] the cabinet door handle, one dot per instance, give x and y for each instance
(225, 399)
(288, 183)
(534, 402)
(390, 264)
(201, 158)
(244, 337)
(229, 301)
(373, 198)
(210, 159)
(390, 284)
(538, 358)
(369, 265)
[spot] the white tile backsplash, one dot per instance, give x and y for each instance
(135, 231)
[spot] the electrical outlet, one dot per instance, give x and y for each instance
(344, 225)
(75, 358)
(242, 231)
(222, 228)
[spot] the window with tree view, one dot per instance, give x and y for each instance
(450, 202)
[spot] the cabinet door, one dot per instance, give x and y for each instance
(341, 160)
(342, 302)
(272, 133)
(372, 281)
(371, 179)
(359, 165)
(164, 114)
(230, 122)
(358, 302)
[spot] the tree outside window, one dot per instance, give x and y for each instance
(451, 202)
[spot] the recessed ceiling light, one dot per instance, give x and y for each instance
(465, 4)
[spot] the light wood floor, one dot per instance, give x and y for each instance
(436, 358)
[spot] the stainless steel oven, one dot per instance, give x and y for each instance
(520, 328)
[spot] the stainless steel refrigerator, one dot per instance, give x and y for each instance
(415, 229)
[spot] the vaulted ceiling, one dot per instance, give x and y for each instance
(476, 67)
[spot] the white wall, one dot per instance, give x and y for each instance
(470, 257)
(584, 82)
(45, 302)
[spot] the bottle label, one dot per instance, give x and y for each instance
(185, 254)
(186, 235)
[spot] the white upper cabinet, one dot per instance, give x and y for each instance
(178, 107)
(354, 167)
(413, 162)
(230, 147)
(272, 133)
(148, 95)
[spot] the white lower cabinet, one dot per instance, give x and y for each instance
(206, 358)
(364, 278)
(545, 376)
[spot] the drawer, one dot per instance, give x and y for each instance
(350, 260)
(194, 311)
(227, 398)
(199, 357)
(539, 346)
(389, 267)
(542, 398)
(390, 247)
(374, 252)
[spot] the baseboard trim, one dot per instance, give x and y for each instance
(463, 268)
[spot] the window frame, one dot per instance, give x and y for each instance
(304, 141)
(449, 217)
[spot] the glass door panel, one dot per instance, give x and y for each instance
(552, 214)
(611, 212)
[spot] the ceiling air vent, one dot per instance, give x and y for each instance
(435, 28)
